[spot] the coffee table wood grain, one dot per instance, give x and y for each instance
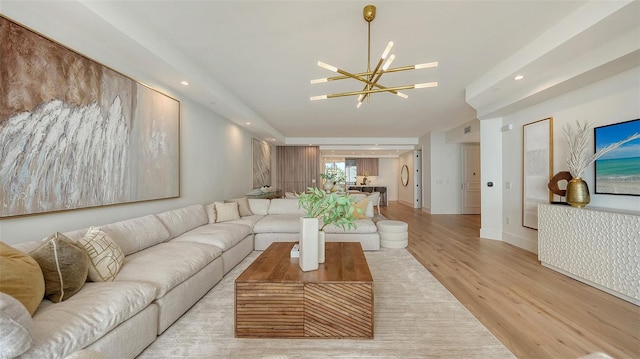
(274, 298)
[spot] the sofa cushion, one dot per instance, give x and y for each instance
(21, 277)
(136, 234)
(16, 327)
(64, 328)
(243, 206)
(222, 235)
(259, 205)
(184, 219)
(167, 264)
(105, 256)
(278, 223)
(64, 265)
(248, 220)
(226, 211)
(362, 226)
(285, 206)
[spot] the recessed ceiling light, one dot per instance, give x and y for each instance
(184, 83)
(247, 123)
(519, 77)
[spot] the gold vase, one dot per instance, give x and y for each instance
(578, 193)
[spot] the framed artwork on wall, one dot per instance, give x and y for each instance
(77, 134)
(618, 172)
(537, 168)
(261, 152)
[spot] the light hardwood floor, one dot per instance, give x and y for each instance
(532, 310)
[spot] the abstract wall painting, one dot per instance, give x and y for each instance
(76, 134)
(261, 152)
(537, 168)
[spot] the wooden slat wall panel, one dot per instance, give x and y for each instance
(269, 310)
(297, 166)
(369, 165)
(338, 310)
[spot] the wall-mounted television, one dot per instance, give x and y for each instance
(618, 172)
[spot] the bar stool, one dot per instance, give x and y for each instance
(383, 194)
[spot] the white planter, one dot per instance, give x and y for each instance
(328, 186)
(321, 247)
(308, 244)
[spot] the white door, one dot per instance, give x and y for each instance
(471, 179)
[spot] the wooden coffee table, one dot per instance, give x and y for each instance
(274, 298)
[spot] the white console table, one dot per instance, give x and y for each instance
(596, 246)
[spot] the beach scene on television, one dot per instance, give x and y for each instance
(618, 172)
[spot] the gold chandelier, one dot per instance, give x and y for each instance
(371, 78)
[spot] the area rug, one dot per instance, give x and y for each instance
(415, 317)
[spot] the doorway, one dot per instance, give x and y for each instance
(471, 179)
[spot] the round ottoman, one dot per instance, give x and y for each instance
(393, 234)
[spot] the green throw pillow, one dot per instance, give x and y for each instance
(64, 265)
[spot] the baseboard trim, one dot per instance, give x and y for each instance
(521, 242)
(491, 234)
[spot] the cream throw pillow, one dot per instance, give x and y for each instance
(64, 265)
(243, 206)
(226, 211)
(106, 257)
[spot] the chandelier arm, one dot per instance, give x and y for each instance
(395, 69)
(386, 89)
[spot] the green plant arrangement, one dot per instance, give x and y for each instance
(334, 175)
(331, 208)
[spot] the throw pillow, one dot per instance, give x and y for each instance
(21, 277)
(64, 265)
(360, 211)
(243, 205)
(16, 327)
(105, 256)
(226, 211)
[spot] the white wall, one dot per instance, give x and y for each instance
(491, 171)
(612, 100)
(388, 175)
(446, 175)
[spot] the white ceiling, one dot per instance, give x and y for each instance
(251, 61)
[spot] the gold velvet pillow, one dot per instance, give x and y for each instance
(360, 209)
(64, 265)
(21, 277)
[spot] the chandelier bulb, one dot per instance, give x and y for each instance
(321, 97)
(317, 81)
(359, 104)
(425, 65)
(387, 50)
(327, 66)
(388, 62)
(402, 95)
(425, 84)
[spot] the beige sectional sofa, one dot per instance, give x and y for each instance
(171, 260)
